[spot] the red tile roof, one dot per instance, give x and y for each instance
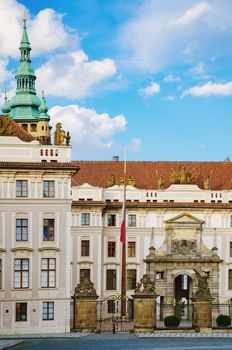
(17, 130)
(96, 173)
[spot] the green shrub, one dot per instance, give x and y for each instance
(223, 321)
(171, 321)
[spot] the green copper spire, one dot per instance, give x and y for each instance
(24, 105)
(6, 107)
(43, 109)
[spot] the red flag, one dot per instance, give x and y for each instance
(122, 232)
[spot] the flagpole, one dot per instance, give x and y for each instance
(123, 240)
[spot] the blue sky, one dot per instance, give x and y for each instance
(152, 75)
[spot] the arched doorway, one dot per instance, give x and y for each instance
(183, 294)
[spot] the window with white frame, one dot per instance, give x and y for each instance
(48, 310)
(84, 247)
(21, 273)
(111, 275)
(48, 188)
(0, 273)
(85, 219)
(131, 279)
(21, 229)
(21, 312)
(132, 220)
(48, 273)
(111, 220)
(111, 249)
(21, 188)
(131, 249)
(230, 279)
(48, 229)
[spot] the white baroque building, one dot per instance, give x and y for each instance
(60, 220)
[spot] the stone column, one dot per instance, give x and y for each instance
(202, 314)
(85, 307)
(144, 306)
(202, 304)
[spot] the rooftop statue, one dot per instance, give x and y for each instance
(60, 136)
(181, 176)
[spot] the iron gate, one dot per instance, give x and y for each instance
(108, 315)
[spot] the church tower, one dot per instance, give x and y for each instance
(26, 108)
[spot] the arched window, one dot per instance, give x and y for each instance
(25, 127)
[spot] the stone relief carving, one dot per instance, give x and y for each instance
(184, 247)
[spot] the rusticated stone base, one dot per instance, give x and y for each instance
(85, 319)
(144, 313)
(202, 314)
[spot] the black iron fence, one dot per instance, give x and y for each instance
(221, 309)
(182, 312)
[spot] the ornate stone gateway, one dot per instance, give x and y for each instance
(173, 266)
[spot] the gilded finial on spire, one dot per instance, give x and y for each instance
(24, 18)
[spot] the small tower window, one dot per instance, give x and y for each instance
(33, 127)
(46, 152)
(51, 152)
(41, 152)
(56, 152)
(42, 127)
(25, 127)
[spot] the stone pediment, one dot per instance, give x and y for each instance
(185, 218)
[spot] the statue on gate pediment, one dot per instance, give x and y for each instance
(85, 288)
(203, 285)
(145, 286)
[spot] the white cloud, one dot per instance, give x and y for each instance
(210, 89)
(48, 33)
(199, 71)
(90, 131)
(4, 73)
(150, 90)
(134, 145)
(72, 75)
(46, 30)
(171, 79)
(170, 98)
(149, 43)
(192, 14)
